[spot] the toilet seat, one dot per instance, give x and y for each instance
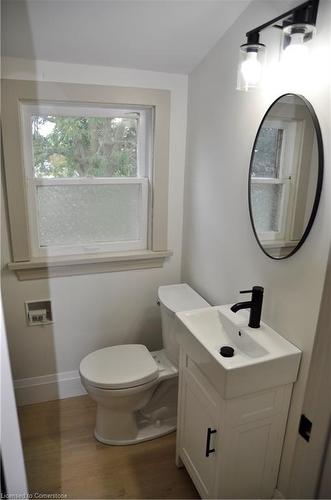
(119, 367)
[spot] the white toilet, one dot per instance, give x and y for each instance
(136, 390)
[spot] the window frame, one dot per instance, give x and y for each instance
(23, 263)
(144, 154)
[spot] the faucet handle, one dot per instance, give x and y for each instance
(258, 289)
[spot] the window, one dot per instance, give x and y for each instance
(88, 177)
(87, 187)
(273, 179)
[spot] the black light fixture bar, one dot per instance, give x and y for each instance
(303, 13)
(298, 26)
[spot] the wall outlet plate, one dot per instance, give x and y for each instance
(38, 312)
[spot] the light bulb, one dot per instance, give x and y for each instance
(251, 68)
(296, 51)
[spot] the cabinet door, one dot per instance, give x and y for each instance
(198, 434)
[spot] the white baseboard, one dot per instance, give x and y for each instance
(48, 387)
(278, 495)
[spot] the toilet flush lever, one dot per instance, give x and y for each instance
(158, 301)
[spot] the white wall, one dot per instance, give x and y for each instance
(220, 254)
(94, 311)
(11, 445)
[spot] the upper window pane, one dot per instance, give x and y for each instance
(267, 153)
(82, 146)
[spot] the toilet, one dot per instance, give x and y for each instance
(135, 389)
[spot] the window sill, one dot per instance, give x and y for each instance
(279, 243)
(71, 265)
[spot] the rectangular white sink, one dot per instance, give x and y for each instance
(262, 358)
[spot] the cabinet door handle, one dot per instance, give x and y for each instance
(210, 431)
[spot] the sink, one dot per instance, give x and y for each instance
(262, 357)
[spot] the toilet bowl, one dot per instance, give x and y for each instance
(135, 389)
(118, 420)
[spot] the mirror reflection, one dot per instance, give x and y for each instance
(285, 176)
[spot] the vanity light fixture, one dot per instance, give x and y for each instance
(251, 64)
(297, 25)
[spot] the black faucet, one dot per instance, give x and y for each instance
(255, 306)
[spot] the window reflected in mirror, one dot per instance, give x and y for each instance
(285, 176)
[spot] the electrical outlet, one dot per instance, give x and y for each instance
(38, 312)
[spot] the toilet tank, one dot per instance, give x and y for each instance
(175, 298)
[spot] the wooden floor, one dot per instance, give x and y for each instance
(62, 456)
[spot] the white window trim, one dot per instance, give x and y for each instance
(73, 265)
(32, 182)
(24, 264)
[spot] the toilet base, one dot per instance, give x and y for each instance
(145, 432)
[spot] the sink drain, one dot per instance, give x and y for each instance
(226, 351)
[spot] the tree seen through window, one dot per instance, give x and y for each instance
(76, 146)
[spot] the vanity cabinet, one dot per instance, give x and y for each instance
(199, 428)
(230, 447)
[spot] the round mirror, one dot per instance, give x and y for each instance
(285, 176)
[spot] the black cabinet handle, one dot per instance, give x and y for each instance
(209, 433)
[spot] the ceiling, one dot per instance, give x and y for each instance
(160, 35)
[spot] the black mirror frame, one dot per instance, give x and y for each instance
(319, 177)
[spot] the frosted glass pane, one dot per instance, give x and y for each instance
(83, 214)
(267, 153)
(266, 202)
(81, 146)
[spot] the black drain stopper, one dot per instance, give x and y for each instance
(226, 351)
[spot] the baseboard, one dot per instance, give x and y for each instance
(48, 387)
(278, 495)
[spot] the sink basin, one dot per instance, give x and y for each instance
(262, 358)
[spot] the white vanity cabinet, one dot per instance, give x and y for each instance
(199, 425)
(230, 447)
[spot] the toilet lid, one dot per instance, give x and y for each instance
(119, 367)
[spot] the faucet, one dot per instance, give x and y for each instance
(255, 306)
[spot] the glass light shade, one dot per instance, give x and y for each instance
(251, 66)
(294, 45)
